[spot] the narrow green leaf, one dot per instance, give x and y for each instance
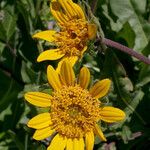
(15, 138)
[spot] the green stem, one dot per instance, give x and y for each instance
(94, 6)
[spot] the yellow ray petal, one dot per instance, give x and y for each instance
(38, 99)
(40, 121)
(99, 133)
(53, 78)
(75, 144)
(67, 74)
(89, 140)
(55, 9)
(84, 77)
(92, 30)
(78, 144)
(52, 54)
(101, 88)
(79, 11)
(111, 114)
(72, 60)
(67, 9)
(63, 17)
(47, 35)
(69, 144)
(81, 144)
(41, 134)
(58, 143)
(72, 6)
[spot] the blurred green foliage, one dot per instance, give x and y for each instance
(124, 21)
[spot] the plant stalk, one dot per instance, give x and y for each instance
(127, 50)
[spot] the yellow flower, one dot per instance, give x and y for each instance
(71, 41)
(74, 110)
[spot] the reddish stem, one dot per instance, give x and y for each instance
(127, 50)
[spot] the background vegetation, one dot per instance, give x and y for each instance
(124, 21)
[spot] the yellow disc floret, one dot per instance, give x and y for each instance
(74, 111)
(72, 38)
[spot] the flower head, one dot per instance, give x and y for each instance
(75, 31)
(74, 110)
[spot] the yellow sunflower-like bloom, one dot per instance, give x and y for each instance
(74, 110)
(74, 34)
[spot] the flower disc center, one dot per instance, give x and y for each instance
(74, 112)
(73, 37)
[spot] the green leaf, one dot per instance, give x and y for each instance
(2, 46)
(8, 90)
(137, 97)
(115, 26)
(9, 23)
(146, 28)
(139, 5)
(27, 73)
(144, 75)
(122, 85)
(125, 32)
(126, 134)
(15, 138)
(125, 12)
(25, 14)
